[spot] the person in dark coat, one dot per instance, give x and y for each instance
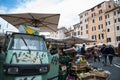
(119, 49)
(104, 52)
(83, 50)
(111, 54)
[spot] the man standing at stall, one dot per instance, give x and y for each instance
(83, 50)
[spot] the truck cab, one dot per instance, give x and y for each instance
(26, 57)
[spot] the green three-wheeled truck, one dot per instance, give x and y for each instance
(25, 56)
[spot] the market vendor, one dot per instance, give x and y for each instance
(64, 64)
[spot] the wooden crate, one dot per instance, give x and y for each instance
(101, 75)
(87, 77)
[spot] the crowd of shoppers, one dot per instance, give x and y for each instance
(104, 54)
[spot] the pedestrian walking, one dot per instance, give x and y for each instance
(104, 52)
(96, 54)
(111, 54)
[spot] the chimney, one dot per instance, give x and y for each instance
(111, 1)
(114, 3)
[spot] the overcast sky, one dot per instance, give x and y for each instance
(68, 9)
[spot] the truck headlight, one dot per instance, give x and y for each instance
(12, 70)
(43, 69)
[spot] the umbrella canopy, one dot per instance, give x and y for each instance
(50, 39)
(76, 40)
(46, 22)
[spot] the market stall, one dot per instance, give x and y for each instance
(82, 70)
(74, 66)
(77, 68)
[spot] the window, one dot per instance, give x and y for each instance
(108, 23)
(27, 42)
(108, 39)
(108, 30)
(80, 22)
(93, 28)
(117, 20)
(78, 27)
(86, 26)
(116, 13)
(93, 14)
(86, 19)
(118, 27)
(86, 31)
(100, 18)
(81, 28)
(81, 16)
(93, 21)
(118, 38)
(94, 37)
(109, 6)
(107, 16)
(100, 27)
(100, 11)
(78, 32)
(86, 14)
(101, 36)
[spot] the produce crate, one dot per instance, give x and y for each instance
(101, 75)
(87, 77)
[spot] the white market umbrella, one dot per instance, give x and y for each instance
(46, 22)
(76, 40)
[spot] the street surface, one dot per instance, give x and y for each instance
(114, 69)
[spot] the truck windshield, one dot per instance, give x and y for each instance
(28, 42)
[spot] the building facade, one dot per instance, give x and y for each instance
(97, 20)
(81, 29)
(113, 26)
(60, 33)
(102, 23)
